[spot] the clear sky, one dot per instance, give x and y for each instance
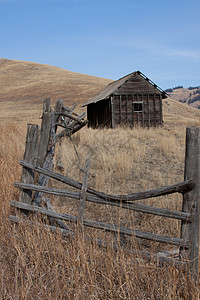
(106, 38)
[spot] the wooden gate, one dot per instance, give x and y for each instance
(187, 243)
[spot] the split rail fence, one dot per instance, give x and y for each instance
(37, 167)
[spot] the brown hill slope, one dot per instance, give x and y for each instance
(190, 96)
(24, 85)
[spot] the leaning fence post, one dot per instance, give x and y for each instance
(45, 132)
(30, 156)
(46, 148)
(80, 217)
(191, 199)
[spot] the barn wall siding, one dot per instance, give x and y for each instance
(124, 113)
(133, 101)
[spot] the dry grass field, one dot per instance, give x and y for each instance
(36, 264)
(26, 84)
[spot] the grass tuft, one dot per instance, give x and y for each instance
(36, 264)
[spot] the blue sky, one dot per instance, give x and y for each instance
(106, 38)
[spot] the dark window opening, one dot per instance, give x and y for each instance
(137, 106)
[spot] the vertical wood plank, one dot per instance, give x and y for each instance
(161, 116)
(127, 109)
(45, 132)
(59, 106)
(46, 148)
(120, 109)
(138, 114)
(30, 156)
(112, 112)
(191, 200)
(154, 109)
(80, 217)
(142, 110)
(149, 120)
(133, 109)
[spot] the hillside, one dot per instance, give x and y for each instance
(190, 96)
(37, 264)
(24, 85)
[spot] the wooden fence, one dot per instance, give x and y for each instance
(37, 167)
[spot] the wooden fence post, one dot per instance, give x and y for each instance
(46, 148)
(80, 217)
(45, 132)
(191, 199)
(30, 156)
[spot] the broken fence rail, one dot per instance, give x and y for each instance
(190, 189)
(131, 206)
(100, 225)
(181, 187)
(160, 258)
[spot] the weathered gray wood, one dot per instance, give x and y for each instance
(130, 206)
(112, 113)
(73, 107)
(47, 146)
(68, 116)
(120, 108)
(136, 233)
(72, 129)
(45, 132)
(70, 109)
(59, 106)
(83, 193)
(154, 109)
(133, 120)
(161, 115)
(78, 127)
(54, 229)
(176, 188)
(171, 253)
(58, 222)
(137, 254)
(59, 124)
(142, 111)
(48, 190)
(191, 199)
(44, 211)
(30, 155)
(71, 126)
(149, 120)
(103, 226)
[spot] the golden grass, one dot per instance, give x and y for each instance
(36, 264)
(24, 85)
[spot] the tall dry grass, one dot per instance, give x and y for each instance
(36, 264)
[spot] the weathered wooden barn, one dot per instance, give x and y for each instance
(133, 99)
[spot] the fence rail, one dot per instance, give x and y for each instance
(37, 163)
(95, 199)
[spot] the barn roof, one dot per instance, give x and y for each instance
(109, 89)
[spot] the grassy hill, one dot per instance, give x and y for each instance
(24, 85)
(36, 264)
(190, 96)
